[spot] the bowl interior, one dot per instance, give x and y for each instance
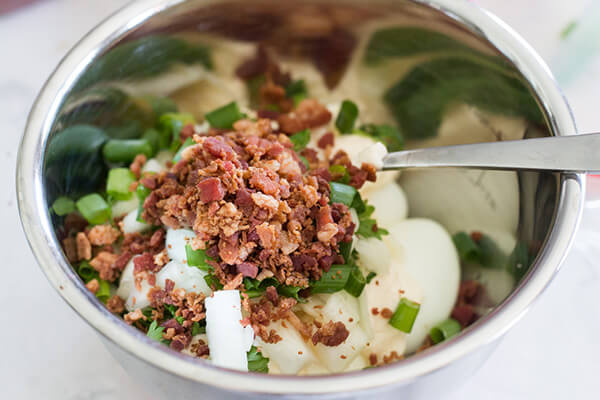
(420, 68)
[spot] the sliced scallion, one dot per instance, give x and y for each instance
(224, 117)
(356, 282)
(118, 182)
(93, 208)
(300, 139)
(405, 315)
(444, 330)
(125, 150)
(341, 193)
(63, 206)
(154, 138)
(345, 251)
(86, 271)
(141, 192)
(466, 247)
(370, 277)
(333, 280)
(347, 117)
(103, 292)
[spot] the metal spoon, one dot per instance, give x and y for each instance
(577, 153)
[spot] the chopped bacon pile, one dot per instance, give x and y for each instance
(253, 204)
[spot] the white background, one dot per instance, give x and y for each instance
(48, 352)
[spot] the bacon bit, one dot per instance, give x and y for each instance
(103, 263)
(115, 305)
(300, 352)
(374, 311)
(234, 283)
(373, 359)
(326, 140)
(70, 248)
(309, 114)
(393, 356)
(134, 316)
(331, 334)
(211, 190)
(343, 357)
(476, 236)
(248, 269)
(350, 319)
(102, 235)
(304, 329)
(137, 164)
(387, 313)
(84, 248)
(93, 285)
(371, 171)
(218, 148)
(186, 132)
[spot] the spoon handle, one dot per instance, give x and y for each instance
(577, 153)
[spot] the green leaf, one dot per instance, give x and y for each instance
(224, 117)
(63, 206)
(170, 126)
(368, 226)
(300, 139)
(143, 58)
(198, 329)
(197, 258)
(155, 331)
(296, 90)
(256, 361)
(419, 101)
(386, 134)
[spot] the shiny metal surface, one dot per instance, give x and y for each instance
(325, 34)
(569, 154)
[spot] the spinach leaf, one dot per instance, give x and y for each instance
(256, 361)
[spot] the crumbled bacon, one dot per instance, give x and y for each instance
(331, 334)
(309, 114)
(93, 285)
(84, 248)
(103, 234)
(115, 305)
(137, 164)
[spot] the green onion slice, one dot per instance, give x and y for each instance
(224, 117)
(197, 258)
(346, 117)
(333, 280)
(63, 206)
(404, 317)
(125, 150)
(300, 139)
(86, 271)
(103, 293)
(118, 182)
(341, 193)
(93, 208)
(444, 330)
(141, 192)
(356, 282)
(466, 247)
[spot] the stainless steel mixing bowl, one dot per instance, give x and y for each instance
(325, 34)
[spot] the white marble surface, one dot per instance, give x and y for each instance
(48, 352)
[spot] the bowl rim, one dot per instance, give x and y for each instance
(39, 232)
